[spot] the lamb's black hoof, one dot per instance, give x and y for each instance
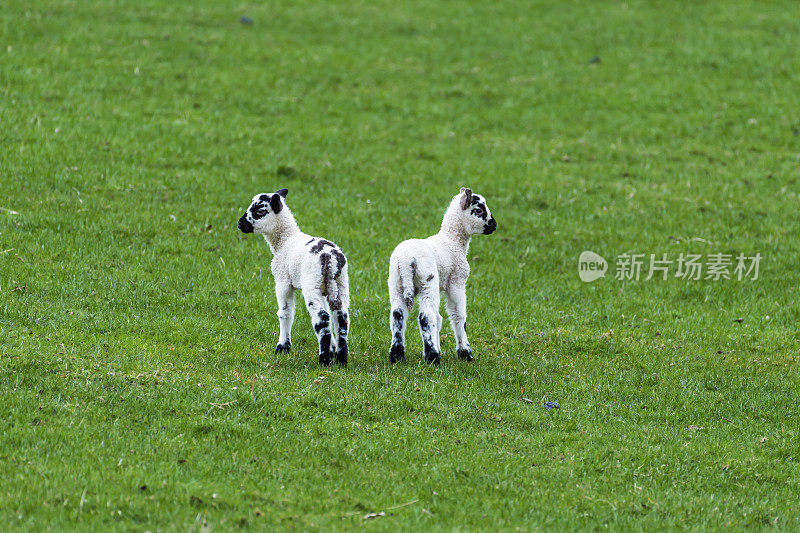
(432, 357)
(397, 353)
(465, 354)
(283, 348)
(341, 353)
(325, 359)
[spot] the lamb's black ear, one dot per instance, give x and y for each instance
(282, 192)
(276, 203)
(466, 199)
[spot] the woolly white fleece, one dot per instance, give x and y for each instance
(315, 266)
(426, 267)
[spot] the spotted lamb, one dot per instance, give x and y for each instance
(424, 267)
(315, 266)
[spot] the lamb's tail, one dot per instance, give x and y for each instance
(407, 273)
(332, 265)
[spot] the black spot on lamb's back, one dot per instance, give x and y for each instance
(317, 248)
(312, 240)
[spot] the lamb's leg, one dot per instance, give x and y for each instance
(341, 321)
(334, 325)
(457, 312)
(397, 324)
(342, 318)
(429, 321)
(398, 314)
(285, 295)
(317, 306)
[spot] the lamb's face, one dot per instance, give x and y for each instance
(475, 214)
(260, 216)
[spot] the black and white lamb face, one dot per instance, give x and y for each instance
(475, 214)
(260, 216)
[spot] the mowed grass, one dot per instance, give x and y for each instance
(138, 383)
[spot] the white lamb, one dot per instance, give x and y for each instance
(424, 267)
(315, 266)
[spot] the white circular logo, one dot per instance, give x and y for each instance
(591, 266)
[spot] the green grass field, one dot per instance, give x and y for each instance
(138, 383)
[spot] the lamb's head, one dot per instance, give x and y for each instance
(472, 213)
(261, 216)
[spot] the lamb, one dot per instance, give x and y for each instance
(424, 267)
(315, 266)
